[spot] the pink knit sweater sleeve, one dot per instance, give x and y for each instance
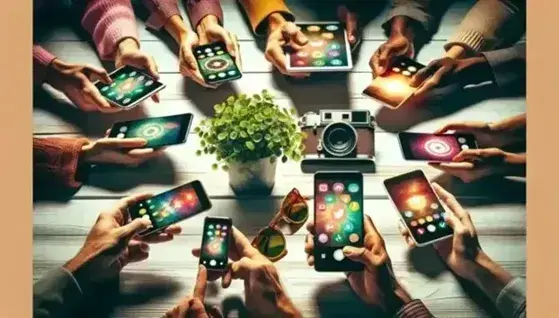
(41, 61)
(109, 22)
(160, 12)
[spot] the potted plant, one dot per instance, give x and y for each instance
(248, 135)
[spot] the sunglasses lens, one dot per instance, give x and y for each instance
(270, 242)
(298, 212)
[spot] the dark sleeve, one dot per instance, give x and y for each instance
(56, 164)
(414, 309)
(508, 65)
(198, 9)
(56, 294)
(426, 13)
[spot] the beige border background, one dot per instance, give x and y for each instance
(16, 274)
(16, 163)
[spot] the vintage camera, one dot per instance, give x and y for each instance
(338, 138)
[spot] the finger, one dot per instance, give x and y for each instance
(351, 27)
(196, 252)
(155, 97)
(152, 68)
(196, 309)
(310, 260)
(214, 312)
(473, 154)
(452, 167)
(227, 277)
(188, 56)
(450, 201)
(275, 55)
(309, 244)
(457, 227)
(107, 133)
(451, 127)
(201, 283)
(145, 153)
(126, 143)
(434, 80)
(128, 231)
(236, 49)
(370, 229)
(359, 254)
(95, 97)
(310, 227)
(137, 251)
(240, 269)
(158, 238)
(100, 74)
(423, 74)
(174, 229)
(385, 57)
(242, 244)
(375, 64)
(125, 203)
(291, 33)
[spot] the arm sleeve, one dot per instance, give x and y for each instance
(488, 25)
(41, 61)
(508, 65)
(511, 301)
(426, 13)
(56, 294)
(414, 309)
(198, 9)
(258, 10)
(160, 11)
(109, 22)
(56, 163)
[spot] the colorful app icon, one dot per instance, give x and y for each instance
(429, 218)
(317, 54)
(330, 198)
(431, 228)
(413, 223)
(345, 198)
(323, 187)
(334, 53)
(420, 231)
(211, 226)
(408, 214)
(300, 63)
(421, 221)
(210, 233)
(348, 227)
(334, 46)
(302, 54)
(328, 35)
(338, 238)
(443, 214)
(317, 43)
(436, 216)
(313, 28)
(218, 226)
(338, 214)
(338, 187)
(336, 62)
(442, 225)
(434, 206)
(329, 227)
(331, 27)
(323, 238)
(318, 63)
(354, 237)
(353, 187)
(321, 207)
(354, 206)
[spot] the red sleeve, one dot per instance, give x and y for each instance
(56, 163)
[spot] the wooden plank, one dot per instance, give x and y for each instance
(179, 165)
(253, 58)
(173, 270)
(76, 217)
(374, 14)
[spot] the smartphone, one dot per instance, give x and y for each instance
(328, 49)
(130, 87)
(158, 131)
(393, 87)
(419, 207)
(338, 219)
(216, 64)
(215, 243)
(172, 206)
(434, 147)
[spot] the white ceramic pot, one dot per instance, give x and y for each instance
(254, 177)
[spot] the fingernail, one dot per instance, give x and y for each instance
(348, 250)
(144, 247)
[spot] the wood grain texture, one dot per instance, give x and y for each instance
(148, 289)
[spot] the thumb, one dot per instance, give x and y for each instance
(357, 254)
(127, 143)
(128, 231)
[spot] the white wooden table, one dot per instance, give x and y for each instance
(497, 207)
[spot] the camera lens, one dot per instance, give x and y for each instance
(339, 139)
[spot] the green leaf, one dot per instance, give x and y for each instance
(284, 159)
(198, 152)
(222, 136)
(243, 134)
(214, 166)
(233, 135)
(276, 138)
(225, 168)
(293, 111)
(249, 145)
(197, 129)
(268, 137)
(257, 97)
(218, 108)
(202, 143)
(257, 137)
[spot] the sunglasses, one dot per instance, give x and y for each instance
(270, 240)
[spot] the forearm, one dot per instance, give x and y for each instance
(109, 22)
(508, 65)
(513, 125)
(488, 25)
(198, 10)
(160, 12)
(56, 294)
(274, 293)
(177, 28)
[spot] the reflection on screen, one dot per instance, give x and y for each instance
(215, 243)
(157, 131)
(169, 207)
(419, 207)
(339, 214)
(435, 147)
(129, 86)
(215, 63)
(326, 47)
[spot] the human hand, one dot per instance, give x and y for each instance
(193, 306)
(129, 53)
(112, 243)
(281, 35)
(473, 164)
(376, 285)
(447, 70)
(487, 134)
(76, 82)
(264, 293)
(125, 152)
(349, 19)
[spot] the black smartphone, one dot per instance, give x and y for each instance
(434, 147)
(158, 131)
(172, 206)
(130, 87)
(338, 219)
(328, 49)
(419, 207)
(215, 243)
(216, 64)
(393, 87)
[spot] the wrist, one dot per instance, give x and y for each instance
(53, 70)
(176, 28)
(397, 299)
(206, 22)
(275, 21)
(402, 26)
(456, 52)
(127, 45)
